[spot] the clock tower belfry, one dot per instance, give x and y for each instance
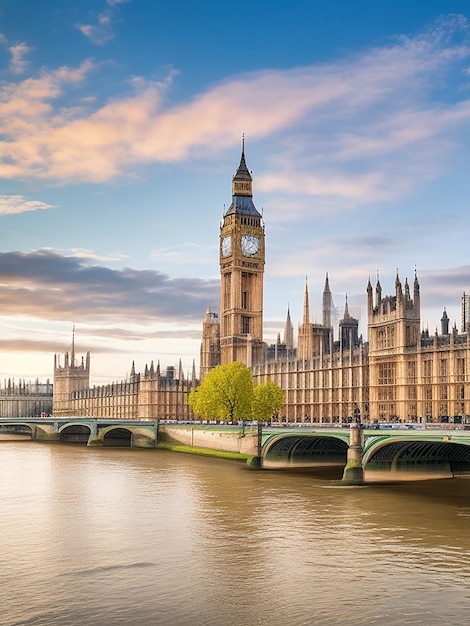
(242, 255)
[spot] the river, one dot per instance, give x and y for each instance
(119, 537)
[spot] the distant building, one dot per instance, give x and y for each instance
(150, 395)
(25, 399)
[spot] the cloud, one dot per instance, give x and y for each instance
(49, 286)
(359, 130)
(10, 205)
(102, 29)
(85, 253)
(18, 63)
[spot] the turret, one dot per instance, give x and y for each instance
(69, 379)
(348, 329)
(444, 323)
(378, 292)
(328, 306)
(289, 332)
(370, 298)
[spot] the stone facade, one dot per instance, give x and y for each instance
(150, 395)
(25, 399)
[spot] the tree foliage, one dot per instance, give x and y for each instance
(226, 393)
(267, 400)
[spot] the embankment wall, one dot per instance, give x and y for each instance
(200, 437)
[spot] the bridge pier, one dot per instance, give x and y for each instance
(354, 472)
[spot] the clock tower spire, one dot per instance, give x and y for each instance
(242, 258)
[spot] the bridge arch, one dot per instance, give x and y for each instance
(395, 458)
(313, 450)
(19, 428)
(125, 436)
(117, 436)
(75, 433)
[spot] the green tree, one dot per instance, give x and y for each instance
(226, 393)
(267, 400)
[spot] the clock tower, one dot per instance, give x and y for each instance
(241, 272)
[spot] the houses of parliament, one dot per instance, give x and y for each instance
(330, 374)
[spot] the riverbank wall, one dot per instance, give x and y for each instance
(198, 436)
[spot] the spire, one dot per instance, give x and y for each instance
(242, 174)
(346, 309)
(407, 289)
(306, 304)
(289, 332)
(242, 190)
(72, 364)
(444, 323)
(327, 308)
(398, 287)
(378, 290)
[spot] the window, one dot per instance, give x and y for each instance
(228, 291)
(245, 325)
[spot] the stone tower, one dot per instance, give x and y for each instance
(313, 339)
(69, 378)
(348, 329)
(394, 337)
(327, 305)
(210, 345)
(242, 258)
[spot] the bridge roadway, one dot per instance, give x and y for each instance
(391, 454)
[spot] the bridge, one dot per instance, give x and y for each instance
(89, 431)
(370, 455)
(367, 455)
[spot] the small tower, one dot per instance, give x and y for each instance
(289, 332)
(465, 308)
(348, 329)
(242, 258)
(69, 379)
(210, 345)
(444, 323)
(328, 305)
(305, 343)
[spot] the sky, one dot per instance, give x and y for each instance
(121, 124)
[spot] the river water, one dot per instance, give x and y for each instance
(118, 537)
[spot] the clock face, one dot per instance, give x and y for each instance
(226, 246)
(250, 245)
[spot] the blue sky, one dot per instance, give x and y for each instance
(121, 125)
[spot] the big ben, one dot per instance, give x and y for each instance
(242, 258)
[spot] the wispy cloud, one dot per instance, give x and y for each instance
(18, 63)
(10, 205)
(101, 28)
(359, 130)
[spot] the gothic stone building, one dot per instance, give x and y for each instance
(150, 395)
(25, 399)
(400, 374)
